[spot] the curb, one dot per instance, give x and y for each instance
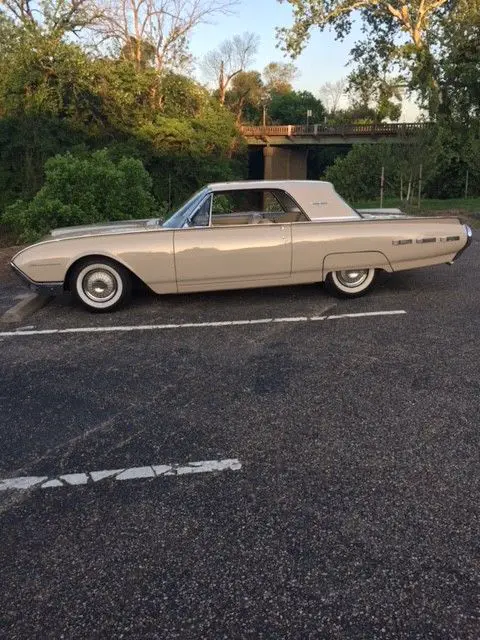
(23, 309)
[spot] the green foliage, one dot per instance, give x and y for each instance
(356, 176)
(55, 98)
(380, 98)
(444, 154)
(245, 97)
(291, 108)
(84, 189)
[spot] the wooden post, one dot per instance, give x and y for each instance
(409, 190)
(401, 187)
(382, 182)
(420, 184)
(466, 185)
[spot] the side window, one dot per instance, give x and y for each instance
(201, 217)
(251, 206)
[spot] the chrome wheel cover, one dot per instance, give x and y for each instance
(352, 279)
(99, 285)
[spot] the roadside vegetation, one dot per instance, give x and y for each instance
(102, 114)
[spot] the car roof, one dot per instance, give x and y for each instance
(265, 184)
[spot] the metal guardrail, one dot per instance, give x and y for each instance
(383, 129)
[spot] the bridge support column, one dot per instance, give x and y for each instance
(284, 164)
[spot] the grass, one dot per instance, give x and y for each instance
(468, 208)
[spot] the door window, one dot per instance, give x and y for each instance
(251, 206)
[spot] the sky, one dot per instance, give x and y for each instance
(324, 59)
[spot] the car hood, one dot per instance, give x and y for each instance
(103, 228)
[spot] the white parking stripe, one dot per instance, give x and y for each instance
(193, 325)
(366, 314)
(133, 473)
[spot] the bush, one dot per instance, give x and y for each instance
(356, 176)
(84, 189)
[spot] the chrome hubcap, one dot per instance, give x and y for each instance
(99, 285)
(352, 278)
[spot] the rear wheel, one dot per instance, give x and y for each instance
(101, 285)
(350, 283)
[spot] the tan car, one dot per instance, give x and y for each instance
(237, 235)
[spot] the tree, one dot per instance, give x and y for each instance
(139, 27)
(412, 17)
(380, 96)
(459, 63)
(232, 57)
(397, 32)
(279, 76)
(245, 95)
(331, 94)
(291, 108)
(54, 18)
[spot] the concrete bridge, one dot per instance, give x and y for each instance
(285, 147)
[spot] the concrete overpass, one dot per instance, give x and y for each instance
(285, 147)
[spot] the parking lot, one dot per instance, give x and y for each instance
(271, 463)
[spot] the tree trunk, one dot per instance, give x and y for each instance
(222, 87)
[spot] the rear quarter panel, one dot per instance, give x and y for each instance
(393, 245)
(148, 254)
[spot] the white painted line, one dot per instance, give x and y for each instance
(22, 483)
(75, 478)
(192, 325)
(134, 473)
(367, 314)
(101, 475)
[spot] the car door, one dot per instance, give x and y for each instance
(242, 253)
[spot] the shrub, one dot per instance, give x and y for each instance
(84, 189)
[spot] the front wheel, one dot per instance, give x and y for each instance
(352, 282)
(101, 285)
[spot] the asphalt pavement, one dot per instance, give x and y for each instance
(352, 507)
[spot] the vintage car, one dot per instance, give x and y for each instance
(237, 235)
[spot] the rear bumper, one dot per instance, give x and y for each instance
(467, 244)
(44, 288)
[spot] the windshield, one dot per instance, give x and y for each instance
(179, 218)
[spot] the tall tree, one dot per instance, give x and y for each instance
(382, 97)
(54, 18)
(279, 76)
(221, 65)
(396, 32)
(291, 108)
(139, 27)
(245, 95)
(331, 94)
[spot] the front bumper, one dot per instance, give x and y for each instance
(468, 242)
(44, 288)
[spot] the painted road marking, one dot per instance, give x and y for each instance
(195, 325)
(133, 473)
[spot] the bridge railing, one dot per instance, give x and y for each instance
(382, 129)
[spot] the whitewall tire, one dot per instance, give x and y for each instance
(351, 282)
(101, 284)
